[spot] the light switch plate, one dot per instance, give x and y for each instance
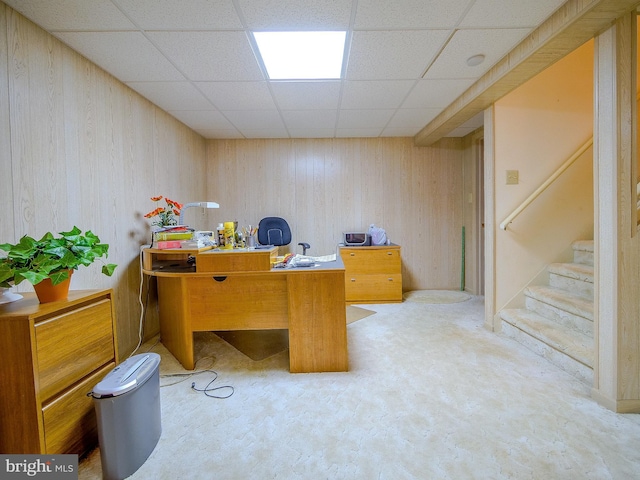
(512, 177)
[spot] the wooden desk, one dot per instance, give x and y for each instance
(238, 290)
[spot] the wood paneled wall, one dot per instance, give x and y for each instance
(77, 147)
(617, 239)
(324, 187)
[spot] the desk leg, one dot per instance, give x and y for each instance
(317, 322)
(175, 324)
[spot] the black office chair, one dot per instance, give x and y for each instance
(276, 231)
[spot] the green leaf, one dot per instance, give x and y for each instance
(57, 250)
(59, 277)
(23, 249)
(6, 273)
(74, 232)
(47, 237)
(32, 277)
(108, 269)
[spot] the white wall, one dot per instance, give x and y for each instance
(537, 127)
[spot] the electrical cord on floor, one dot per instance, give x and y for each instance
(209, 389)
(184, 376)
(206, 390)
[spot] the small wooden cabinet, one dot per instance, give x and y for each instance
(51, 356)
(372, 274)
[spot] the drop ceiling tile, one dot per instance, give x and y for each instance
(203, 119)
(358, 132)
(209, 56)
(419, 14)
(378, 94)
(400, 132)
(73, 14)
(494, 44)
(436, 93)
(218, 133)
(306, 95)
(309, 119)
(254, 119)
(386, 55)
(128, 56)
(511, 14)
(287, 15)
(311, 132)
(273, 132)
(364, 118)
(238, 95)
(181, 15)
(211, 63)
(172, 95)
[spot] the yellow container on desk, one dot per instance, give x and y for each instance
(229, 235)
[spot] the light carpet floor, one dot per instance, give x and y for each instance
(436, 296)
(431, 394)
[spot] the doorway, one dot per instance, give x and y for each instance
(478, 147)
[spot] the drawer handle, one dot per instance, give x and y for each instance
(390, 279)
(389, 253)
(353, 279)
(219, 279)
(352, 254)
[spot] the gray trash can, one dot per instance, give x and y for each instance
(127, 403)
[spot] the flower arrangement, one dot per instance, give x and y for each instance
(166, 215)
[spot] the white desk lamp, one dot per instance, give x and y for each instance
(196, 204)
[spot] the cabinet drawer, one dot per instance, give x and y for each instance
(372, 288)
(70, 424)
(72, 345)
(364, 261)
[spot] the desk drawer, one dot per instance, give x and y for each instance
(241, 261)
(238, 302)
(72, 345)
(365, 261)
(373, 288)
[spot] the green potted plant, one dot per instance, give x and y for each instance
(51, 260)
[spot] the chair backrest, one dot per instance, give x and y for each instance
(274, 231)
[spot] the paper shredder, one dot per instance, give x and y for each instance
(127, 404)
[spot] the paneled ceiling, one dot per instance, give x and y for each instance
(406, 59)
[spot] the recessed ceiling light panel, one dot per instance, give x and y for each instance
(301, 55)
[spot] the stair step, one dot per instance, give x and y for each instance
(583, 251)
(565, 308)
(573, 277)
(564, 347)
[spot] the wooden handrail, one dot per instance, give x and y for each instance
(548, 182)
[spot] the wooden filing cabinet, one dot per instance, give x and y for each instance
(51, 356)
(372, 274)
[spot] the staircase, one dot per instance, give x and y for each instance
(557, 321)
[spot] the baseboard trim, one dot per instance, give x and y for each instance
(617, 406)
